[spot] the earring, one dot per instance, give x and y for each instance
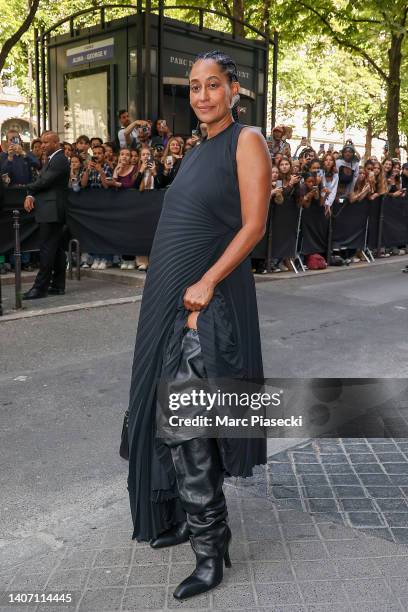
(235, 100)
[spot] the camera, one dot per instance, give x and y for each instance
(144, 129)
(15, 140)
(279, 184)
(93, 158)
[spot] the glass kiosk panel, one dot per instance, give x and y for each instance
(86, 108)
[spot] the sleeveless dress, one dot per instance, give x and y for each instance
(201, 215)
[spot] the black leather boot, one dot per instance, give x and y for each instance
(199, 478)
(177, 534)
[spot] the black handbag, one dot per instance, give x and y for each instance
(124, 441)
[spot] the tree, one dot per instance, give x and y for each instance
(12, 36)
(374, 30)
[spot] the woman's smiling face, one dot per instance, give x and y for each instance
(210, 91)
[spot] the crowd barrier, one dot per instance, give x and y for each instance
(108, 221)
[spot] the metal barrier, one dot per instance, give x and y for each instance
(78, 258)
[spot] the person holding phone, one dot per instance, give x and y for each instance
(16, 163)
(162, 133)
(170, 162)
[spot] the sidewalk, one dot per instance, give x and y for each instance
(291, 550)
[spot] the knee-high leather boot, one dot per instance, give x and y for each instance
(199, 478)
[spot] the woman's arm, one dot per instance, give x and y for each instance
(254, 169)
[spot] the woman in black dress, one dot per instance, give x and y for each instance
(199, 315)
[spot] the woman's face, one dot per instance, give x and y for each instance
(284, 166)
(67, 150)
(75, 163)
(328, 163)
(315, 167)
(295, 167)
(124, 157)
(377, 169)
(396, 168)
(37, 149)
(175, 147)
(144, 155)
(134, 158)
(210, 91)
(387, 165)
(275, 174)
(309, 182)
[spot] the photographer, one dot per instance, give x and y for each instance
(279, 144)
(394, 183)
(146, 177)
(127, 134)
(96, 170)
(170, 162)
(16, 163)
(309, 191)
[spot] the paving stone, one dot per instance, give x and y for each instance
(287, 480)
(113, 557)
(257, 531)
(309, 468)
(138, 598)
(322, 505)
(238, 573)
(117, 538)
(399, 480)
(267, 550)
(322, 591)
(293, 517)
(332, 531)
(67, 579)
(396, 504)
(344, 479)
(396, 519)
(363, 458)
(300, 532)
(233, 596)
(396, 468)
(102, 577)
(24, 581)
(280, 468)
(275, 571)
(307, 550)
(367, 589)
(283, 491)
(381, 607)
(368, 468)
(392, 566)
(357, 503)
(339, 468)
(349, 491)
(300, 457)
(390, 491)
(314, 570)
(376, 479)
(77, 558)
(390, 457)
(365, 519)
(146, 554)
(317, 491)
(151, 574)
(346, 549)
(313, 479)
(400, 535)
(336, 459)
(101, 599)
(356, 568)
(278, 593)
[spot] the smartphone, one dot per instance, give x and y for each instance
(322, 147)
(315, 187)
(15, 140)
(331, 147)
(279, 184)
(93, 158)
(195, 133)
(169, 159)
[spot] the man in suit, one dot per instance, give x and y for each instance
(48, 196)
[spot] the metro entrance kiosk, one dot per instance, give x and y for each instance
(94, 72)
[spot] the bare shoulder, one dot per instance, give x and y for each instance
(251, 141)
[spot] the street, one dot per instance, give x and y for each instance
(64, 383)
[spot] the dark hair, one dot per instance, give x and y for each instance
(35, 142)
(97, 138)
(122, 111)
(99, 147)
(227, 65)
(84, 138)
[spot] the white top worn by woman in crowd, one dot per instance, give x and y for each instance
(330, 179)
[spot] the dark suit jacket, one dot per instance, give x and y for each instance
(50, 190)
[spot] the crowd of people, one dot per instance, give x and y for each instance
(146, 155)
(324, 177)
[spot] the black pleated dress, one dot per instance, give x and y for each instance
(201, 215)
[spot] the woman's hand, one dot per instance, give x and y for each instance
(276, 191)
(327, 211)
(143, 166)
(197, 296)
(294, 180)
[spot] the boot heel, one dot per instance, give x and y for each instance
(227, 559)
